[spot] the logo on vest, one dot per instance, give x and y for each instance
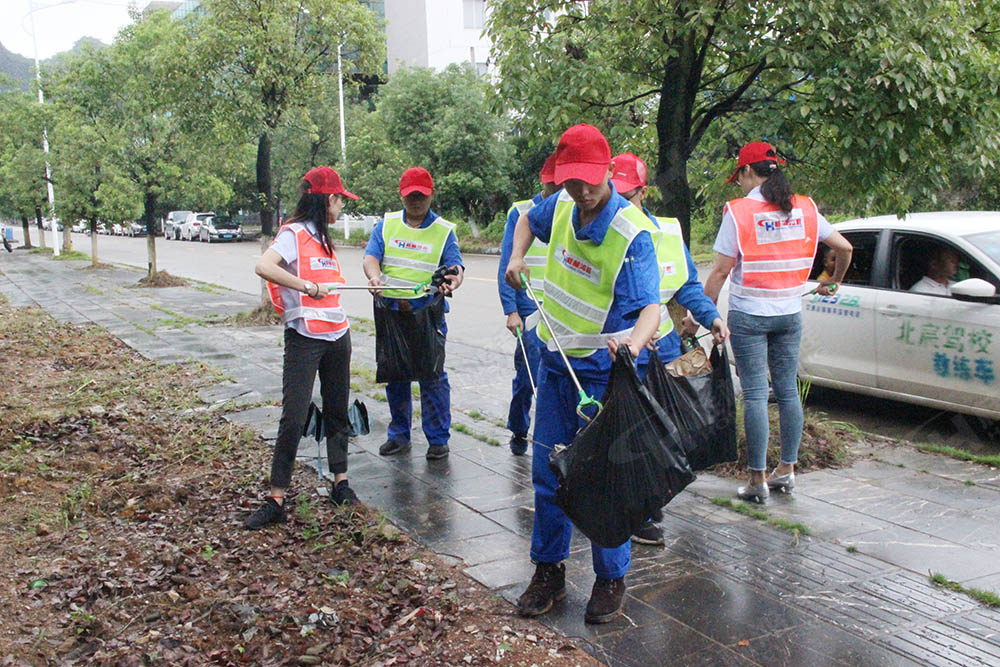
(412, 246)
(578, 265)
(668, 269)
(777, 226)
(323, 264)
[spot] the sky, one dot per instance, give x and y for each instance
(60, 23)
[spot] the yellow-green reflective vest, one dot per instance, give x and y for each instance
(537, 253)
(580, 278)
(673, 267)
(412, 254)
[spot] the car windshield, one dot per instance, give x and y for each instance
(223, 223)
(988, 242)
(205, 217)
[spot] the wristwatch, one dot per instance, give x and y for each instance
(309, 288)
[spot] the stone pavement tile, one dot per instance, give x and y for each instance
(519, 520)
(938, 644)
(919, 552)
(722, 609)
(801, 571)
(944, 466)
(653, 565)
(990, 582)
(983, 622)
(512, 571)
(442, 472)
(884, 605)
(818, 643)
(266, 414)
(486, 550)
(719, 545)
(486, 493)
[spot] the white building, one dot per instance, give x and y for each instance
(435, 33)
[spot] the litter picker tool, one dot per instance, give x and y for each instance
(585, 400)
(527, 364)
(833, 289)
(331, 287)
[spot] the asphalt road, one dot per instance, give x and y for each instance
(476, 320)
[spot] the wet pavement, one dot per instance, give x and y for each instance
(726, 589)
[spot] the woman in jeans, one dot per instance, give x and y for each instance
(317, 338)
(766, 246)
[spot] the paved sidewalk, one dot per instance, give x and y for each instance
(725, 590)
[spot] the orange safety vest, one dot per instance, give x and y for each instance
(778, 248)
(323, 315)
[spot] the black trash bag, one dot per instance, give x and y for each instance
(703, 408)
(408, 344)
(314, 423)
(357, 413)
(624, 465)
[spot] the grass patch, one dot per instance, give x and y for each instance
(987, 598)
(742, 508)
(462, 428)
(72, 254)
(93, 290)
(852, 549)
(992, 460)
(261, 316)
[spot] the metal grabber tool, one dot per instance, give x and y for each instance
(332, 287)
(833, 289)
(527, 364)
(585, 400)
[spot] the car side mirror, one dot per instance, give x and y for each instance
(975, 290)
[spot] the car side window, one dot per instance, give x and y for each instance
(912, 257)
(862, 260)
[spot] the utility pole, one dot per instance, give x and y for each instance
(45, 137)
(343, 139)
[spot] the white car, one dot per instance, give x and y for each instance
(876, 337)
(220, 228)
(172, 224)
(191, 229)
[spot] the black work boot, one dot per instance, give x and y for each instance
(606, 600)
(519, 445)
(548, 585)
(343, 494)
(648, 533)
(392, 447)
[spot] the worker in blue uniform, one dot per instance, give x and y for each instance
(678, 282)
(405, 249)
(517, 307)
(601, 290)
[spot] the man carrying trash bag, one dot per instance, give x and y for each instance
(601, 287)
(406, 249)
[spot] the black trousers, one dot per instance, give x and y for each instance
(304, 357)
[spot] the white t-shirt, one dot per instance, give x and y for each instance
(726, 243)
(928, 285)
(284, 244)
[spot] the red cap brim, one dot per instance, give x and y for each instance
(349, 195)
(623, 185)
(416, 188)
(732, 178)
(588, 172)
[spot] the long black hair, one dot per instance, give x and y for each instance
(316, 208)
(776, 189)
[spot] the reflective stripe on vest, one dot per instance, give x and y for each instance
(778, 248)
(312, 263)
(537, 253)
(672, 259)
(580, 279)
(412, 254)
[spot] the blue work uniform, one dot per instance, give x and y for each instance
(435, 395)
(691, 295)
(512, 300)
(556, 421)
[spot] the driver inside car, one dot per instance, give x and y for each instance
(942, 266)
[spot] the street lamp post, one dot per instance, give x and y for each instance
(343, 140)
(45, 137)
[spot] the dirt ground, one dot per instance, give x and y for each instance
(121, 538)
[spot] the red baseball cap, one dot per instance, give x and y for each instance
(755, 151)
(548, 172)
(416, 179)
(326, 181)
(629, 173)
(583, 153)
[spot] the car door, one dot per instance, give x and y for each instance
(838, 332)
(936, 347)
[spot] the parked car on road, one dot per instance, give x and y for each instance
(103, 228)
(172, 224)
(80, 227)
(47, 225)
(220, 228)
(134, 229)
(116, 229)
(191, 228)
(877, 337)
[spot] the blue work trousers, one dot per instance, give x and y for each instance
(435, 407)
(519, 416)
(556, 422)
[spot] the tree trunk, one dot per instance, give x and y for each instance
(149, 209)
(93, 242)
(26, 228)
(67, 239)
(41, 229)
(265, 197)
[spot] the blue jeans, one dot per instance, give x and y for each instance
(556, 422)
(761, 344)
(519, 415)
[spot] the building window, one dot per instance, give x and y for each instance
(475, 13)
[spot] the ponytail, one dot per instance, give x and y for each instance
(315, 208)
(776, 189)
